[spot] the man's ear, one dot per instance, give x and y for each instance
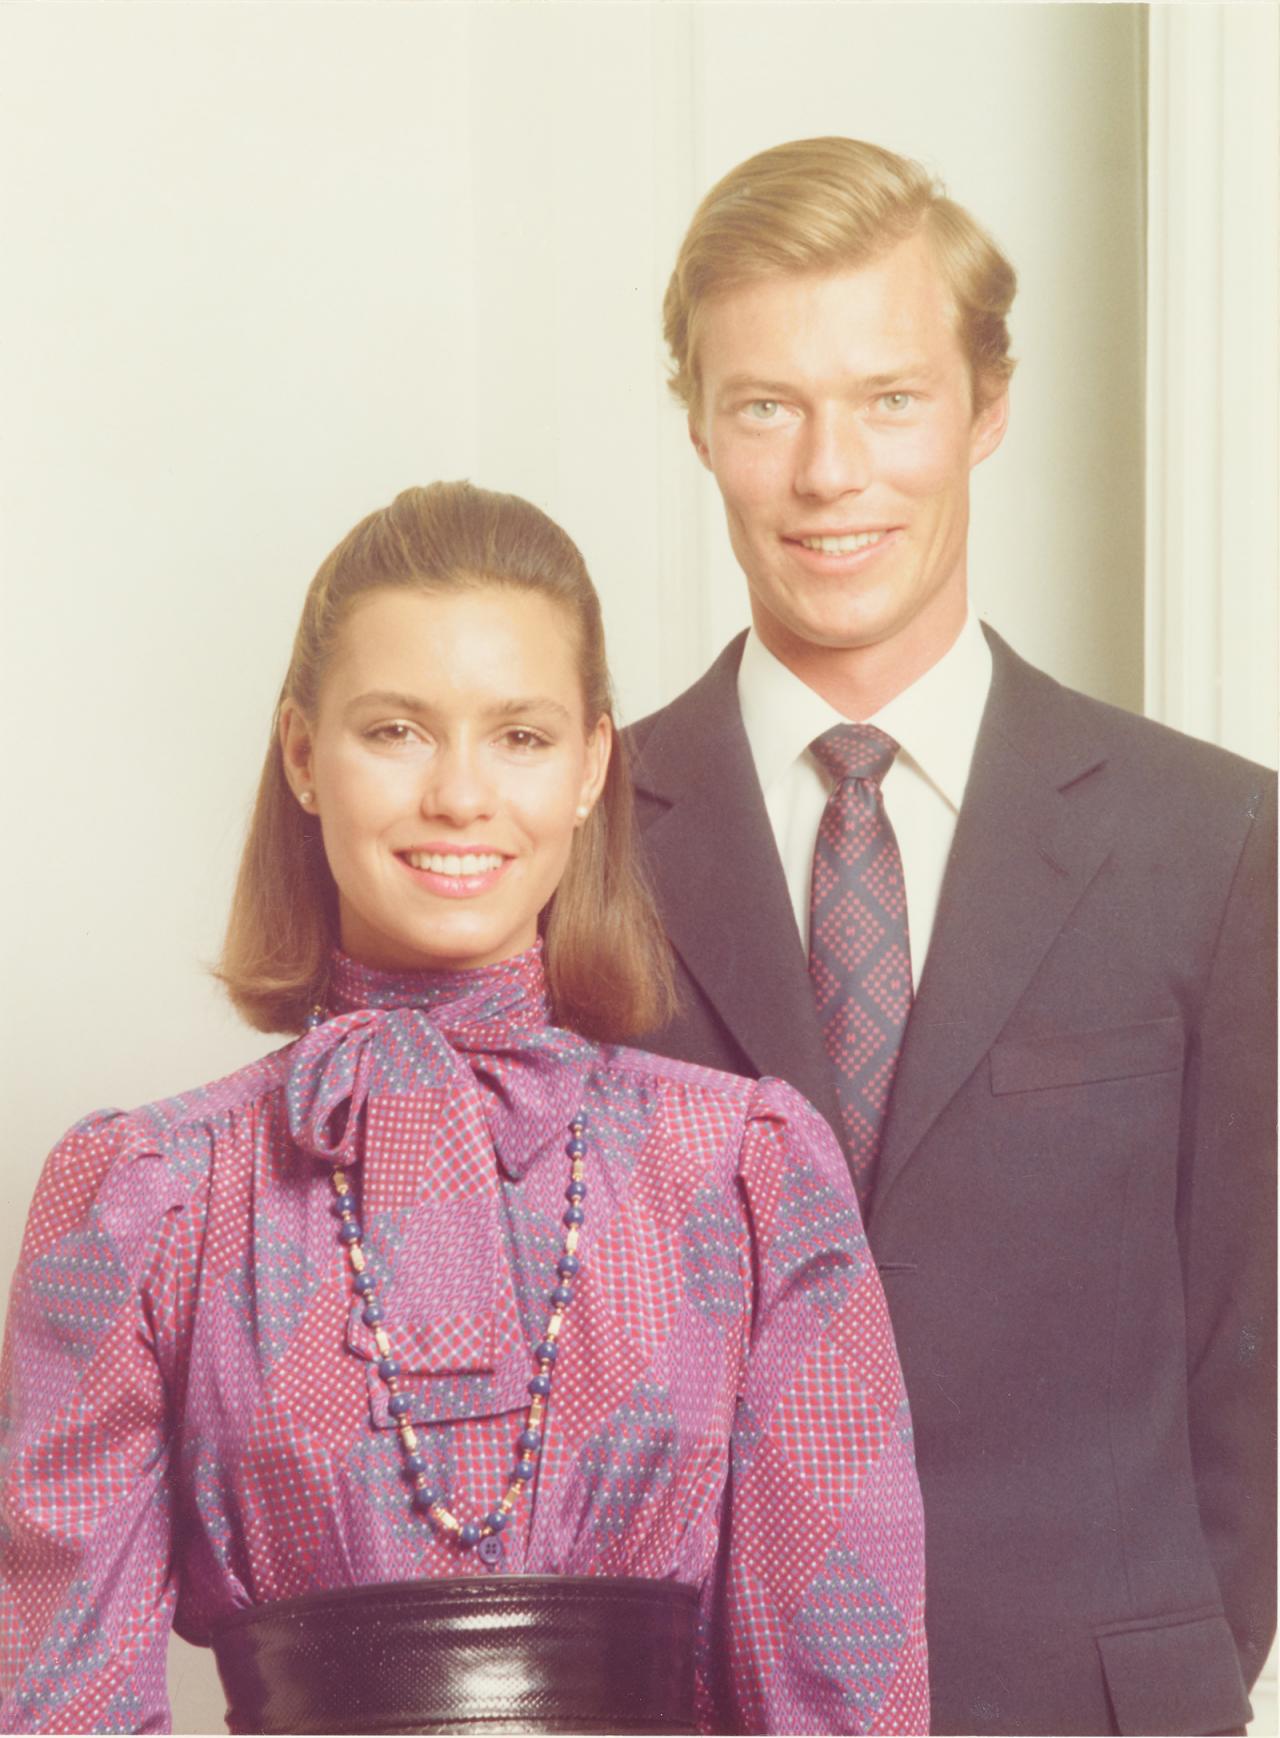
(699, 445)
(297, 750)
(988, 429)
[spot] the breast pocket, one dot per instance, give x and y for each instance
(1078, 1058)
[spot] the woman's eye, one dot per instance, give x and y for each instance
(393, 733)
(520, 738)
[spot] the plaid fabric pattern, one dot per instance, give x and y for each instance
(190, 1421)
(859, 952)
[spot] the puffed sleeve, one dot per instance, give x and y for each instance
(86, 1586)
(816, 1616)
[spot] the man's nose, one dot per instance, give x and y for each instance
(459, 788)
(833, 457)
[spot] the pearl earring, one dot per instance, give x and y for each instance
(306, 798)
(584, 809)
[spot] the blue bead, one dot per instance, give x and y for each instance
(577, 1190)
(372, 1313)
(363, 1282)
(415, 1463)
(574, 1216)
(568, 1265)
(563, 1294)
(540, 1387)
(341, 1204)
(423, 1498)
(349, 1231)
(546, 1351)
(398, 1405)
(470, 1534)
(497, 1519)
(387, 1368)
(582, 1120)
(523, 1470)
(577, 1148)
(530, 1441)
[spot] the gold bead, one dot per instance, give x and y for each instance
(408, 1436)
(381, 1341)
(357, 1256)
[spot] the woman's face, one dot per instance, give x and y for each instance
(450, 763)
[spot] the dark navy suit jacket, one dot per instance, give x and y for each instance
(1074, 1209)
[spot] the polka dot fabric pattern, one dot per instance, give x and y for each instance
(192, 1423)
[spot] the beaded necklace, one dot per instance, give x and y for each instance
(425, 1500)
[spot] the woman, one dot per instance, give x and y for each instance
(454, 1364)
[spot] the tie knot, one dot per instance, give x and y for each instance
(854, 751)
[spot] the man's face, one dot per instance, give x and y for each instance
(838, 422)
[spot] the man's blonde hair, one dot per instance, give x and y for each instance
(815, 205)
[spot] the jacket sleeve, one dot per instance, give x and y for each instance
(86, 1590)
(816, 1618)
(1227, 1232)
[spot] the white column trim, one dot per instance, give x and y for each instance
(1213, 373)
(681, 586)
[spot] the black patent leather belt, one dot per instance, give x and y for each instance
(514, 1653)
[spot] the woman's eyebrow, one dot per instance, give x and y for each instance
(397, 701)
(533, 703)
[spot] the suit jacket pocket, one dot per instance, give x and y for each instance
(1176, 1676)
(1075, 1058)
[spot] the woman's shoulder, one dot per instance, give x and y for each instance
(156, 1153)
(766, 1100)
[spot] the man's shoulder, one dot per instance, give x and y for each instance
(1037, 713)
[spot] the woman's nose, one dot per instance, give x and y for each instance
(458, 787)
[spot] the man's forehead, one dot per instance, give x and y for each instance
(879, 319)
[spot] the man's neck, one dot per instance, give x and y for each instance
(859, 680)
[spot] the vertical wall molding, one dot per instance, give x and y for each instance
(681, 584)
(1213, 373)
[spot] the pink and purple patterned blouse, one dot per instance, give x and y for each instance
(191, 1419)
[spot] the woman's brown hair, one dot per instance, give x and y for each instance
(607, 961)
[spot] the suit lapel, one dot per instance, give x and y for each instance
(1021, 859)
(720, 884)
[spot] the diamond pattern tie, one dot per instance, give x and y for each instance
(859, 950)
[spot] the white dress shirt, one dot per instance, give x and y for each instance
(935, 724)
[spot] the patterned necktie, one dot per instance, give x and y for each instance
(859, 950)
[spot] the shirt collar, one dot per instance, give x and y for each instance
(935, 721)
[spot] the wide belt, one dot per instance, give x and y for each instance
(513, 1653)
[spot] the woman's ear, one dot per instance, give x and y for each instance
(599, 748)
(297, 752)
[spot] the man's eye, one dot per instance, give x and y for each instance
(763, 409)
(897, 400)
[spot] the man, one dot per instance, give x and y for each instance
(1012, 942)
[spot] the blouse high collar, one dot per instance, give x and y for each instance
(512, 993)
(475, 1048)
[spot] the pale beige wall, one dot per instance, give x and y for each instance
(266, 264)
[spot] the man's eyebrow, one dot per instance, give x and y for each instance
(759, 387)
